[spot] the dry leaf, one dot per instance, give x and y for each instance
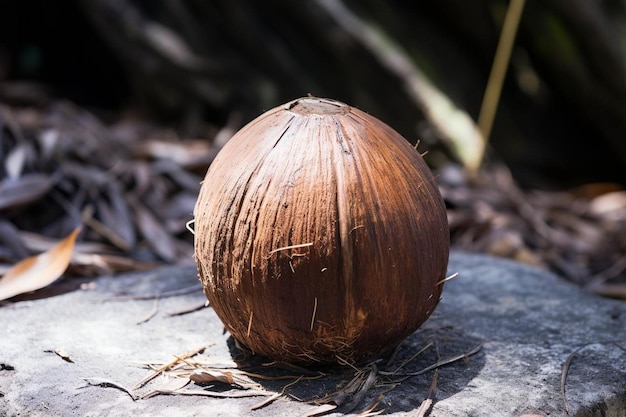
(38, 271)
(116, 214)
(173, 384)
(183, 153)
(63, 355)
(234, 378)
(156, 235)
(612, 205)
(204, 376)
(24, 190)
(322, 409)
(14, 162)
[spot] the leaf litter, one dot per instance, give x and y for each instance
(579, 233)
(197, 373)
(131, 183)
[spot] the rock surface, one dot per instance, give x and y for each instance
(509, 332)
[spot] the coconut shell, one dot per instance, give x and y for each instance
(320, 234)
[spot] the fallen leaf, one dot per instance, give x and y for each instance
(189, 309)
(610, 203)
(38, 271)
(151, 228)
(204, 376)
(322, 409)
(14, 162)
(24, 190)
(116, 214)
(183, 153)
(63, 355)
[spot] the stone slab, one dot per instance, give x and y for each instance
(527, 323)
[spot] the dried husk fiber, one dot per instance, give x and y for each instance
(320, 235)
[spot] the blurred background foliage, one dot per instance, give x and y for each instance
(561, 120)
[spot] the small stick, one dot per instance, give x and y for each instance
(203, 393)
(564, 371)
(447, 361)
(163, 368)
(188, 310)
(501, 60)
(276, 395)
(392, 358)
(415, 355)
(98, 382)
(152, 313)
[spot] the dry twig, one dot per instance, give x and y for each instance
(167, 366)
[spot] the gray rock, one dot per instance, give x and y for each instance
(525, 326)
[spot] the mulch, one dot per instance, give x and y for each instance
(133, 184)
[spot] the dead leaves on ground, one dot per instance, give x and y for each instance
(196, 374)
(579, 234)
(132, 185)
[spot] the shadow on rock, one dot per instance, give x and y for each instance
(397, 381)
